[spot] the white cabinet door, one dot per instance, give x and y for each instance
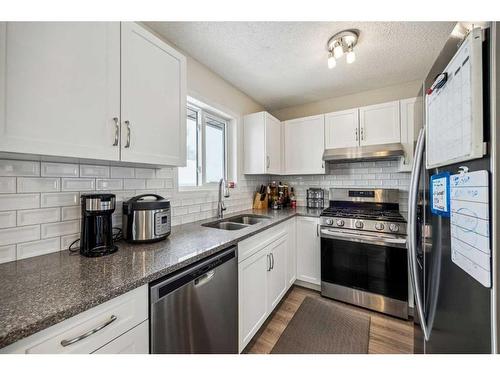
(60, 88)
(135, 341)
(254, 143)
(153, 99)
(342, 129)
(273, 144)
(292, 252)
(412, 120)
(308, 250)
(262, 144)
(304, 142)
(252, 295)
(379, 124)
(277, 284)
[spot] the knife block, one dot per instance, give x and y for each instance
(259, 204)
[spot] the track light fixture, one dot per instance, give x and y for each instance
(340, 43)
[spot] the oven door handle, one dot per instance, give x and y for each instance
(363, 238)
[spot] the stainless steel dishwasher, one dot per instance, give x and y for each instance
(196, 310)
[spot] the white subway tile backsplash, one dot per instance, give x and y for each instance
(38, 216)
(66, 241)
(19, 201)
(144, 173)
(7, 219)
(94, 171)
(19, 168)
(155, 183)
(35, 248)
(109, 184)
(71, 213)
(60, 229)
(122, 172)
(7, 184)
(36, 221)
(133, 184)
(78, 184)
(37, 184)
(59, 199)
(7, 253)
(60, 170)
(19, 234)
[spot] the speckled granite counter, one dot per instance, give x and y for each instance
(39, 292)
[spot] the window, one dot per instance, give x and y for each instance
(206, 149)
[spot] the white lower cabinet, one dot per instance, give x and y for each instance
(308, 250)
(123, 318)
(263, 277)
(277, 283)
(292, 252)
(252, 295)
(135, 341)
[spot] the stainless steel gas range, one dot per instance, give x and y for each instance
(363, 250)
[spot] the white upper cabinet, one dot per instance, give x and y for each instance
(412, 120)
(342, 129)
(153, 99)
(91, 90)
(304, 144)
(60, 88)
(379, 124)
(262, 144)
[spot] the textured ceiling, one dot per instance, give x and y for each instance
(281, 64)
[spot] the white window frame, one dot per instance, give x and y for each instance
(202, 115)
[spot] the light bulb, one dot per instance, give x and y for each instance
(338, 51)
(350, 57)
(331, 61)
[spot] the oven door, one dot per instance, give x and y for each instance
(376, 264)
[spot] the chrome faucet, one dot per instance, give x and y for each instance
(220, 206)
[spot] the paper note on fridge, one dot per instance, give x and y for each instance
(470, 224)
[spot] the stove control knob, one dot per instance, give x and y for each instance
(329, 221)
(358, 224)
(394, 228)
(340, 223)
(379, 226)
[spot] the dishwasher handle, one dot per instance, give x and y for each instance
(199, 273)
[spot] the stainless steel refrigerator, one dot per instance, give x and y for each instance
(454, 313)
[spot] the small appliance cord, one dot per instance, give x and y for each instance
(117, 236)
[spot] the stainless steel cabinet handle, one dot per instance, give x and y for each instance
(363, 134)
(89, 333)
(117, 130)
(317, 230)
(268, 262)
(323, 165)
(268, 161)
(127, 123)
(412, 233)
(356, 134)
(272, 261)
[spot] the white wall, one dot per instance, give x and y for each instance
(381, 95)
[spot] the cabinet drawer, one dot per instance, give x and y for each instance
(135, 341)
(251, 245)
(109, 320)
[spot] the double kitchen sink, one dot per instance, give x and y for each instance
(236, 222)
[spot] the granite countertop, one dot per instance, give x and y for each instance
(39, 292)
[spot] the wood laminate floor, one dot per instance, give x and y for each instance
(387, 335)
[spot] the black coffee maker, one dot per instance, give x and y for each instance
(96, 237)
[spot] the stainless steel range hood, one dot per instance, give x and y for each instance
(377, 152)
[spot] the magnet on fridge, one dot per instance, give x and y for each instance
(440, 194)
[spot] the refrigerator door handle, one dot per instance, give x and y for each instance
(412, 233)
